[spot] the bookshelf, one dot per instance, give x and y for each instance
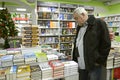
(56, 25)
(113, 22)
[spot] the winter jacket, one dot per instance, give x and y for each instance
(96, 43)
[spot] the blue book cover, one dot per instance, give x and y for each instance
(13, 69)
(7, 58)
(29, 55)
(61, 16)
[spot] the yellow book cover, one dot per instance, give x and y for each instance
(23, 70)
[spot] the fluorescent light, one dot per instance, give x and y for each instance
(1, 8)
(21, 9)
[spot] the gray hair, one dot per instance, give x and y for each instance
(80, 10)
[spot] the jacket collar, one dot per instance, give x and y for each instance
(91, 20)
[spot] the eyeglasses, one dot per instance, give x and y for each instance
(77, 17)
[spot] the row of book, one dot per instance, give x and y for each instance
(68, 31)
(70, 10)
(55, 40)
(43, 71)
(47, 9)
(66, 39)
(52, 32)
(113, 24)
(55, 24)
(46, 15)
(49, 32)
(26, 58)
(48, 24)
(65, 46)
(112, 18)
(21, 56)
(49, 40)
(53, 9)
(66, 24)
(55, 16)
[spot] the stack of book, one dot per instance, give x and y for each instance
(2, 73)
(46, 71)
(18, 59)
(7, 60)
(23, 72)
(41, 57)
(52, 57)
(30, 58)
(58, 68)
(11, 73)
(110, 61)
(117, 60)
(70, 68)
(36, 72)
(13, 51)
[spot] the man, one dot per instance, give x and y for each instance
(91, 47)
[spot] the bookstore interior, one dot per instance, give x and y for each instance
(37, 36)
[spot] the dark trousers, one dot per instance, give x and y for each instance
(98, 73)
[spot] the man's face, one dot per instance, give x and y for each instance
(80, 19)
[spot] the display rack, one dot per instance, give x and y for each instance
(56, 25)
(113, 22)
(32, 64)
(20, 19)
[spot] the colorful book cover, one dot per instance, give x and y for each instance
(6, 58)
(13, 71)
(35, 68)
(23, 70)
(41, 56)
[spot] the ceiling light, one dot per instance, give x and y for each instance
(21, 9)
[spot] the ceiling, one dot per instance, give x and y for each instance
(28, 4)
(13, 4)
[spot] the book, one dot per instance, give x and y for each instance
(18, 59)
(30, 57)
(46, 70)
(13, 71)
(7, 73)
(41, 57)
(52, 57)
(58, 68)
(2, 73)
(23, 70)
(70, 68)
(36, 72)
(7, 60)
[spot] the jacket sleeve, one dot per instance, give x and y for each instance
(105, 43)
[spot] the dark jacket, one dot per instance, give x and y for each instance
(96, 43)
